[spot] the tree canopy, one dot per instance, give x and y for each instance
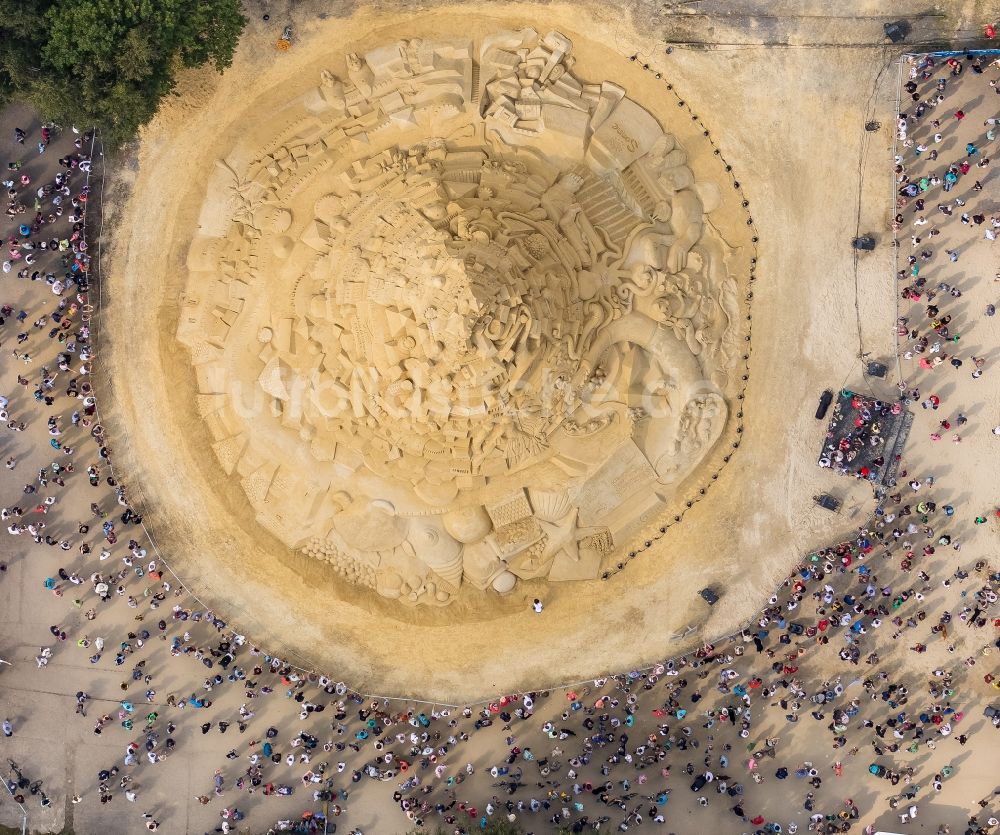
(109, 62)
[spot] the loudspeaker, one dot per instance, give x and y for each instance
(866, 242)
(896, 31)
(827, 502)
(824, 403)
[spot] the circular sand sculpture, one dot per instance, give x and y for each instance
(463, 321)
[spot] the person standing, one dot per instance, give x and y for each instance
(8, 728)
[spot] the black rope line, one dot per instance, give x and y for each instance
(702, 491)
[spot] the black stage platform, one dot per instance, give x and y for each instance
(865, 437)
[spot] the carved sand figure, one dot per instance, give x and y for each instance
(449, 335)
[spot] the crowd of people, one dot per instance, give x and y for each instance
(820, 691)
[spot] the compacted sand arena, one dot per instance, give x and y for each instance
(288, 503)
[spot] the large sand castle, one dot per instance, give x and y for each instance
(459, 318)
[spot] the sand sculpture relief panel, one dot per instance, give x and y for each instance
(464, 320)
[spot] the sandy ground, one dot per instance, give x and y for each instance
(794, 161)
(810, 311)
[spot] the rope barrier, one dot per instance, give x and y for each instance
(745, 204)
(895, 236)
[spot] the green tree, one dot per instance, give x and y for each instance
(109, 62)
(20, 23)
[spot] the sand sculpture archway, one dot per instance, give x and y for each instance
(461, 321)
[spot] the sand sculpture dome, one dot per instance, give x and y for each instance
(463, 321)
